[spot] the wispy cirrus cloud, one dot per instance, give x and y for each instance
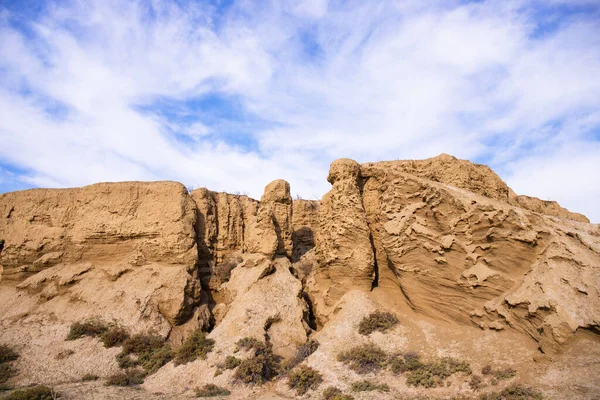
(230, 95)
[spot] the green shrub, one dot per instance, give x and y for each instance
(211, 390)
(377, 321)
(232, 362)
(89, 377)
(333, 393)
(504, 374)
(405, 362)
(261, 367)
(114, 336)
(196, 346)
(304, 378)
(430, 374)
(513, 392)
(130, 377)
(90, 327)
(257, 369)
(364, 358)
(420, 377)
(153, 361)
(34, 393)
(448, 366)
(368, 386)
(150, 351)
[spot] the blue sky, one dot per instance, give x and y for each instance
(230, 95)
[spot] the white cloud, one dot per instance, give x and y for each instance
(367, 80)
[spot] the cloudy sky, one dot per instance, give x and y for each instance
(230, 95)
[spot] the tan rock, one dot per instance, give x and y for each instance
(344, 249)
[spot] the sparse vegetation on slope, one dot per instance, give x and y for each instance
(232, 362)
(148, 351)
(211, 390)
(130, 377)
(377, 321)
(304, 378)
(91, 327)
(39, 392)
(364, 358)
(259, 368)
(433, 373)
(513, 392)
(368, 386)
(196, 346)
(333, 393)
(114, 336)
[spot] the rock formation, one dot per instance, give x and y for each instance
(443, 243)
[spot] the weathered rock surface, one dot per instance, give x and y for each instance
(453, 254)
(132, 222)
(470, 268)
(344, 250)
(305, 223)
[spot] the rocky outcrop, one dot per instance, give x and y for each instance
(305, 224)
(459, 253)
(82, 251)
(444, 244)
(344, 251)
(132, 222)
(547, 208)
(476, 178)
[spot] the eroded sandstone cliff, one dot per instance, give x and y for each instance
(442, 242)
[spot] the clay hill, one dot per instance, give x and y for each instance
(423, 279)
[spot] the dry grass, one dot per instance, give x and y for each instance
(304, 378)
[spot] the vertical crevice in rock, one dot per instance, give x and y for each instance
(309, 315)
(375, 265)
